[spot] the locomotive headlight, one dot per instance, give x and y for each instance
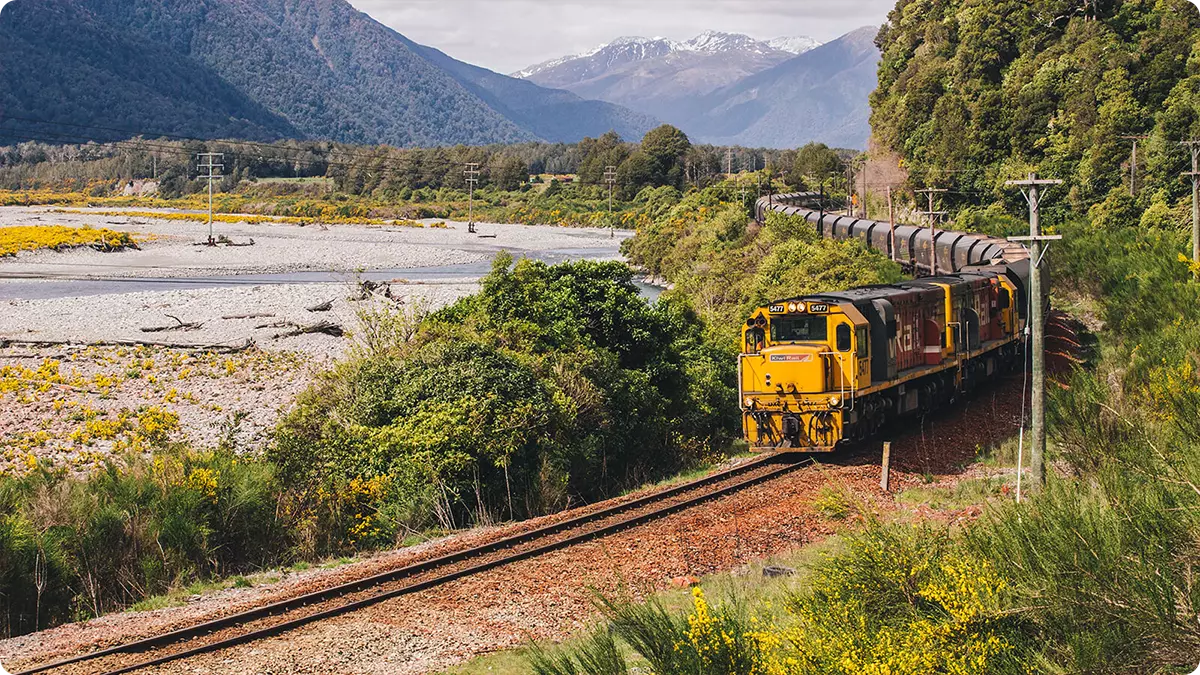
(792, 308)
(749, 402)
(835, 401)
(800, 307)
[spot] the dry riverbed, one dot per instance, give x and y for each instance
(65, 402)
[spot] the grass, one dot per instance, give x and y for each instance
(59, 237)
(969, 492)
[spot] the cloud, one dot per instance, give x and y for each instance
(507, 35)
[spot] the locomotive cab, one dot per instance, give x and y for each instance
(803, 361)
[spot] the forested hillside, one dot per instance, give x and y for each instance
(281, 69)
(973, 93)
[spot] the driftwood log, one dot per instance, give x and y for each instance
(323, 327)
(179, 325)
(214, 348)
(323, 307)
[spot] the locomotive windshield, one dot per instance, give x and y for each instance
(799, 329)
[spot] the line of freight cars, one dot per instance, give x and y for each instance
(817, 371)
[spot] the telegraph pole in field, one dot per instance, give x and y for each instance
(610, 177)
(472, 176)
(1194, 174)
(1133, 163)
(1037, 324)
(934, 218)
(211, 163)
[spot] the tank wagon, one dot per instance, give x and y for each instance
(816, 371)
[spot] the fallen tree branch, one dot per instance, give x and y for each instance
(215, 348)
(236, 317)
(323, 307)
(180, 325)
(324, 327)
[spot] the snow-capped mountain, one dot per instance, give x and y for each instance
(794, 45)
(607, 56)
(657, 74)
(630, 49)
(716, 42)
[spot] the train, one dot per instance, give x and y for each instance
(818, 371)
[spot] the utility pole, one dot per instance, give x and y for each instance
(892, 222)
(610, 177)
(472, 176)
(865, 188)
(741, 184)
(211, 163)
(1133, 163)
(1194, 174)
(934, 217)
(850, 189)
(1037, 324)
(728, 162)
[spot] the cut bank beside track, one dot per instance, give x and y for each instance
(278, 617)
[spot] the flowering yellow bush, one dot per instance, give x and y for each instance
(250, 219)
(34, 237)
(896, 601)
(901, 605)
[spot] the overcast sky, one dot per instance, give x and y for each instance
(507, 35)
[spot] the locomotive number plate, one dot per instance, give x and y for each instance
(818, 309)
(778, 309)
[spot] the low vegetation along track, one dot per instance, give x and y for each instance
(273, 619)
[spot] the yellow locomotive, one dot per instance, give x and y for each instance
(821, 370)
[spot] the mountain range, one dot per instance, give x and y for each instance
(726, 88)
(659, 76)
(262, 70)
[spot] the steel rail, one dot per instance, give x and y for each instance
(322, 595)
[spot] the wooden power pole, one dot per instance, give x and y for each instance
(211, 163)
(934, 217)
(1133, 163)
(610, 177)
(471, 173)
(1194, 174)
(1037, 323)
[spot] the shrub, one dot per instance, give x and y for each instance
(553, 383)
(72, 548)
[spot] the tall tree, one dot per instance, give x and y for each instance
(667, 146)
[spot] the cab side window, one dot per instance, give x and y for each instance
(844, 337)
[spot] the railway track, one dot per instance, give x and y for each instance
(285, 615)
